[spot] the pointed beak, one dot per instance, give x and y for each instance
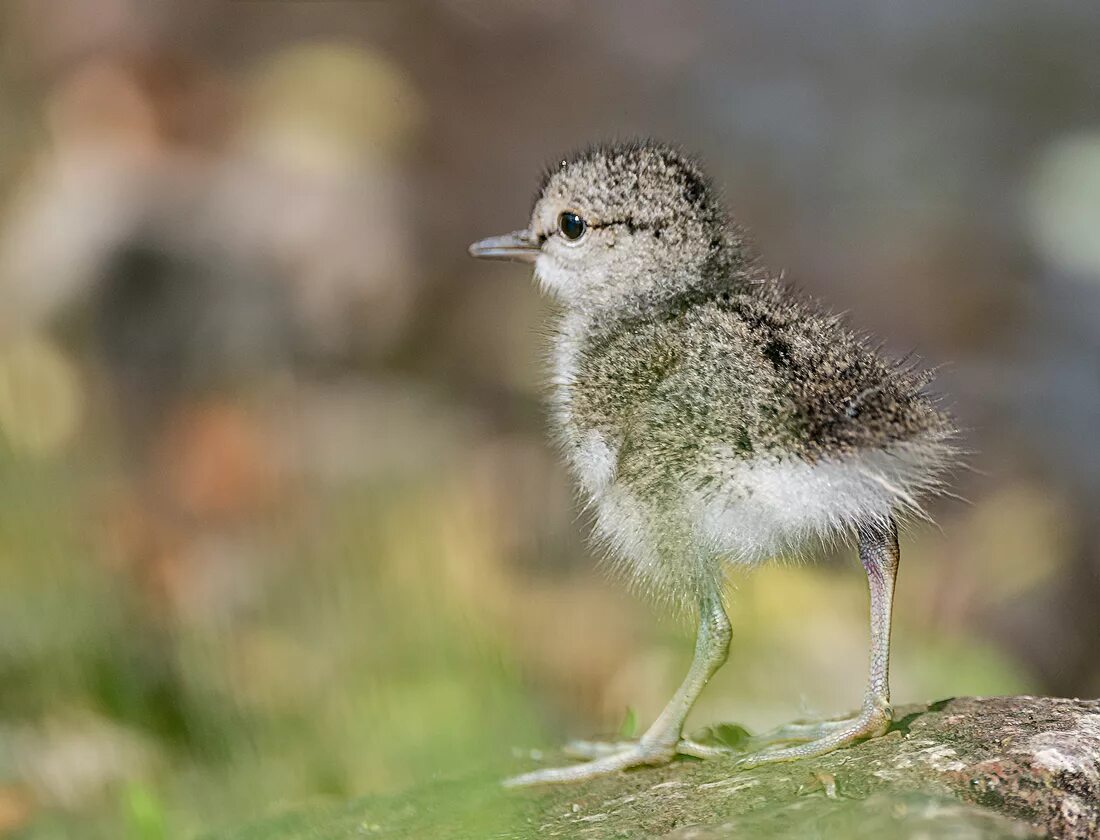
(518, 245)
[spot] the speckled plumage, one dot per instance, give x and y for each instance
(756, 368)
(712, 415)
(685, 375)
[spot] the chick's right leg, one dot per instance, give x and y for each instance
(662, 741)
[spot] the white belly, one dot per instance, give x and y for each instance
(780, 507)
(761, 509)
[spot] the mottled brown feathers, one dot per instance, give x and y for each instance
(708, 412)
(759, 369)
(699, 345)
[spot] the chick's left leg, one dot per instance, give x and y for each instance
(662, 741)
(878, 550)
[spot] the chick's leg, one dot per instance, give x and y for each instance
(878, 550)
(662, 740)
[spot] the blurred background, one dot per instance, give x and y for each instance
(279, 520)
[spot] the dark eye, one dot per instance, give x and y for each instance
(572, 226)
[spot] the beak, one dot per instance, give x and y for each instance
(518, 245)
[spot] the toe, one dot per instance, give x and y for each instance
(635, 756)
(705, 751)
(596, 749)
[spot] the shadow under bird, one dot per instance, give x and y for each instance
(712, 416)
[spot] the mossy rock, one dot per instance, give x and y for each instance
(962, 768)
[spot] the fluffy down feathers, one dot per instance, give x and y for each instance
(709, 413)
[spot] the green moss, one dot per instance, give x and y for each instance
(911, 782)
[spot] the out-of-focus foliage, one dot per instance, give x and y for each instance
(278, 519)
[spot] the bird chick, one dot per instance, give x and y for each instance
(711, 416)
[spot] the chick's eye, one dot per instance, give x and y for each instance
(572, 226)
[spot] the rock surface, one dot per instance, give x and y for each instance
(963, 768)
